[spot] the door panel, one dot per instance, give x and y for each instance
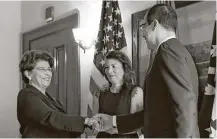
(61, 71)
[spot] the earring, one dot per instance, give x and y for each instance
(154, 25)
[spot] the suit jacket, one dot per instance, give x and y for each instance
(41, 116)
(171, 95)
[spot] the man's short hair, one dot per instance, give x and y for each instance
(165, 15)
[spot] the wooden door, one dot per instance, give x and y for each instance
(140, 54)
(57, 38)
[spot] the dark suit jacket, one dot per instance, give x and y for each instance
(171, 95)
(41, 116)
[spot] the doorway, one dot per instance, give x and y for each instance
(57, 38)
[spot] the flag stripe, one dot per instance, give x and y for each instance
(209, 90)
(206, 115)
(93, 86)
(90, 98)
(98, 77)
(89, 111)
(211, 70)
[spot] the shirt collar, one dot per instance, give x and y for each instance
(170, 37)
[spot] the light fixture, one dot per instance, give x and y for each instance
(84, 37)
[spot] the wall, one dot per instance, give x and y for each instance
(33, 16)
(10, 26)
(196, 22)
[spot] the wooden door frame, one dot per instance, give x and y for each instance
(71, 21)
(136, 18)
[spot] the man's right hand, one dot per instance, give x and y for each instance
(94, 122)
(106, 122)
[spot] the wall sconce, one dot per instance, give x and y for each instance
(84, 38)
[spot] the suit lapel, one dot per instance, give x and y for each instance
(150, 66)
(47, 97)
(55, 102)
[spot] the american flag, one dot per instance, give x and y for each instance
(207, 114)
(110, 37)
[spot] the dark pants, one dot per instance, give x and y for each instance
(107, 135)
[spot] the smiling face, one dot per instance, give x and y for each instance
(41, 75)
(114, 71)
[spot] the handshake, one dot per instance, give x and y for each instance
(99, 123)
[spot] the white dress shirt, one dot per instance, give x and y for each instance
(170, 37)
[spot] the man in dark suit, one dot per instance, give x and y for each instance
(171, 85)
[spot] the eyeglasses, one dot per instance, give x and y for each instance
(143, 26)
(43, 70)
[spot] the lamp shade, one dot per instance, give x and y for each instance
(84, 37)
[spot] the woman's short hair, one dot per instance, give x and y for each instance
(29, 60)
(129, 75)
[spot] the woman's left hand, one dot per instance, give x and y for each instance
(90, 132)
